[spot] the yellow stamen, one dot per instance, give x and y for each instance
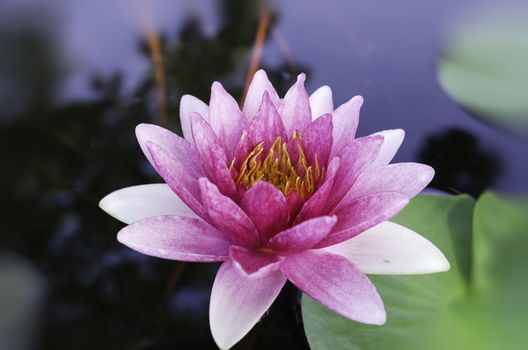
(277, 168)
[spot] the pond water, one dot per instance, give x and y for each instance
(77, 76)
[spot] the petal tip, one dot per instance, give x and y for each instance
(332, 219)
(145, 132)
(222, 341)
(427, 174)
(216, 84)
(446, 267)
(424, 173)
(436, 262)
(217, 87)
(324, 89)
(186, 101)
(359, 100)
(377, 315)
(204, 183)
(186, 97)
(380, 319)
(392, 133)
(442, 263)
(195, 117)
(141, 128)
(430, 172)
(122, 236)
(152, 147)
(106, 203)
(261, 73)
(266, 97)
(301, 78)
(197, 124)
(111, 204)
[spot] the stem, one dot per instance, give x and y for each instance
(281, 327)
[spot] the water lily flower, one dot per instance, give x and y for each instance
(278, 190)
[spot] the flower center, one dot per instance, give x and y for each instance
(284, 165)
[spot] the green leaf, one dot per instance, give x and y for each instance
(479, 304)
(415, 305)
(500, 242)
(500, 265)
(484, 69)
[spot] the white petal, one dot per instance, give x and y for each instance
(391, 143)
(238, 301)
(392, 249)
(189, 104)
(321, 102)
(135, 203)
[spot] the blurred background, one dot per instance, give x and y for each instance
(77, 76)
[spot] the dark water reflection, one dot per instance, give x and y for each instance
(466, 166)
(59, 159)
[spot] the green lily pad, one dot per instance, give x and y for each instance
(500, 265)
(413, 303)
(484, 67)
(478, 304)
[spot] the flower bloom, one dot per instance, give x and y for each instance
(279, 190)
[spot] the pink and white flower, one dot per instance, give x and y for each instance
(280, 190)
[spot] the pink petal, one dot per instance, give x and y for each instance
(190, 104)
(259, 85)
(176, 238)
(406, 178)
(267, 207)
(238, 301)
(203, 135)
(346, 120)
(254, 262)
(214, 159)
(392, 140)
(227, 216)
(183, 183)
(321, 102)
(317, 139)
(220, 172)
(363, 213)
(295, 108)
(295, 203)
(180, 149)
(225, 118)
(293, 145)
(242, 149)
(315, 205)
(303, 236)
(267, 124)
(355, 157)
(337, 284)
